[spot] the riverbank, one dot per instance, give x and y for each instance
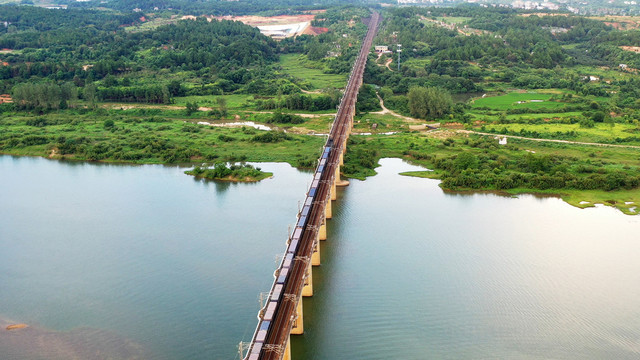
(584, 175)
(115, 136)
(627, 201)
(581, 175)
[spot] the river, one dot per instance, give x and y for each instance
(123, 262)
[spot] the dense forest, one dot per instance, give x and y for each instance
(208, 7)
(88, 47)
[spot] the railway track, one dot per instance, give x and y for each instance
(278, 317)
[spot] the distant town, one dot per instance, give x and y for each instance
(591, 7)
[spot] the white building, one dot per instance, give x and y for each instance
(381, 48)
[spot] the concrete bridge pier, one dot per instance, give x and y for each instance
(298, 328)
(307, 289)
(337, 181)
(334, 194)
(327, 210)
(315, 257)
(322, 232)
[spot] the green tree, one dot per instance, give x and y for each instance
(317, 51)
(191, 108)
(598, 116)
(466, 160)
(429, 103)
(90, 95)
(69, 93)
(222, 106)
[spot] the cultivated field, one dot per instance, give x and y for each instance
(517, 100)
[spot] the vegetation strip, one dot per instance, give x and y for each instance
(549, 140)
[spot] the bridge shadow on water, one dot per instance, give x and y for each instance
(316, 307)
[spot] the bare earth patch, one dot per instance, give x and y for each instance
(635, 49)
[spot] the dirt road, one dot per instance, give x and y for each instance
(550, 140)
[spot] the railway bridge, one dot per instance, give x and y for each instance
(282, 314)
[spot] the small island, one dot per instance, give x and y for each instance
(234, 173)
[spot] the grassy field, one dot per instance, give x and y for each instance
(604, 73)
(151, 24)
(600, 133)
(317, 124)
(570, 46)
(412, 63)
(384, 123)
(433, 143)
(517, 100)
(524, 117)
(453, 19)
(121, 136)
(234, 101)
(311, 72)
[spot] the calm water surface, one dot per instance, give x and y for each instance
(413, 273)
(136, 260)
(146, 262)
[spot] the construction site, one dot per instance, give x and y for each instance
(280, 27)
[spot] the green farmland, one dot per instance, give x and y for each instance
(311, 72)
(517, 100)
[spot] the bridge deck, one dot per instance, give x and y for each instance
(277, 317)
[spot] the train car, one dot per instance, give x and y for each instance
(286, 263)
(282, 276)
(293, 246)
(323, 163)
(295, 239)
(301, 221)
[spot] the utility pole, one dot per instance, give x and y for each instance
(399, 51)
